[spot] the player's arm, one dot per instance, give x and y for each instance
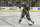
(28, 10)
(25, 10)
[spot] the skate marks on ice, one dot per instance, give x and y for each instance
(14, 21)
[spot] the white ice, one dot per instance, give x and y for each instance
(14, 21)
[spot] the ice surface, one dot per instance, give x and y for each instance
(14, 21)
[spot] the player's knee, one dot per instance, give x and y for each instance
(21, 18)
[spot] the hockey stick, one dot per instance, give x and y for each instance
(7, 22)
(26, 20)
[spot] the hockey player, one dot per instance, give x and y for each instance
(26, 12)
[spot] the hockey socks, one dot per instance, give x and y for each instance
(20, 21)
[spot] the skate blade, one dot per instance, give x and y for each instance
(30, 24)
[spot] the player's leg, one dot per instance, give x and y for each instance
(22, 15)
(20, 20)
(28, 17)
